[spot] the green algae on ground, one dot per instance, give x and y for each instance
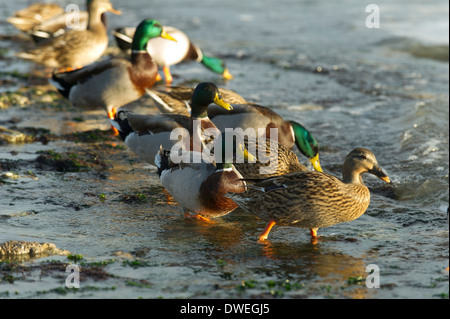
(74, 161)
(75, 258)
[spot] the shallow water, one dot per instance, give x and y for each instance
(384, 89)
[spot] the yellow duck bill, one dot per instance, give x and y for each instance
(218, 100)
(167, 36)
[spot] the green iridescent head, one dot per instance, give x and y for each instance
(216, 65)
(204, 94)
(146, 30)
(306, 144)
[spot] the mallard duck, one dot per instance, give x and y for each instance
(177, 99)
(200, 187)
(43, 21)
(168, 54)
(244, 115)
(34, 14)
(58, 25)
(114, 82)
(271, 159)
(144, 134)
(262, 119)
(313, 199)
(75, 48)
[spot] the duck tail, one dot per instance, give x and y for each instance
(162, 160)
(122, 39)
(40, 36)
(60, 84)
(264, 185)
(120, 122)
(26, 55)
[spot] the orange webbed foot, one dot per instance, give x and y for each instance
(198, 217)
(314, 236)
(263, 236)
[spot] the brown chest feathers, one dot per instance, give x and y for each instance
(143, 71)
(214, 189)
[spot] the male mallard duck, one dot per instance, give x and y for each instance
(313, 199)
(200, 187)
(75, 48)
(177, 99)
(114, 82)
(262, 119)
(244, 115)
(144, 134)
(168, 54)
(34, 14)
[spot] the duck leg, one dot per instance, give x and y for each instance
(314, 236)
(187, 215)
(69, 69)
(313, 232)
(112, 115)
(203, 218)
(170, 200)
(263, 236)
(167, 75)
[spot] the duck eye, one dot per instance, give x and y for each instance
(363, 157)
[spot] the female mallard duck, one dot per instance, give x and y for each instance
(244, 115)
(114, 82)
(168, 54)
(271, 159)
(58, 25)
(144, 134)
(34, 14)
(177, 99)
(75, 48)
(313, 199)
(43, 21)
(200, 187)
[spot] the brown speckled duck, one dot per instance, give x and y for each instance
(114, 82)
(76, 48)
(34, 14)
(57, 25)
(313, 199)
(177, 99)
(271, 159)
